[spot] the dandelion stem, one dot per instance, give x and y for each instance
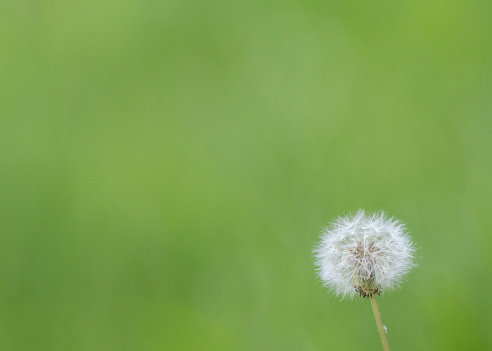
(379, 322)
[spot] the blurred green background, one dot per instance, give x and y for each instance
(166, 168)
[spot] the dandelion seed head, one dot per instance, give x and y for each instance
(364, 254)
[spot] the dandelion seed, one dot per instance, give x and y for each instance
(364, 254)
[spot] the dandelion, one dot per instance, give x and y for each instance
(365, 254)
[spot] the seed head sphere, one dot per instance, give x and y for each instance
(364, 254)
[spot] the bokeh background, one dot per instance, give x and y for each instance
(166, 168)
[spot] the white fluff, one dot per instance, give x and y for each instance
(364, 254)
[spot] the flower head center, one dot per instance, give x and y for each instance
(365, 257)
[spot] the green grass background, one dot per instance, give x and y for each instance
(166, 168)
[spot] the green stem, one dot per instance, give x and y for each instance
(379, 322)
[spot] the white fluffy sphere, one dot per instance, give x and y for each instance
(364, 254)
